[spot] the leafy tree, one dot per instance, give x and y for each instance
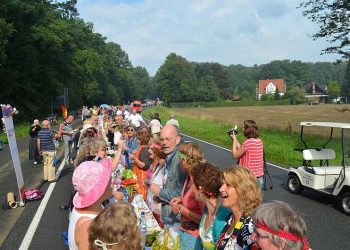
(207, 90)
(346, 86)
(297, 94)
(264, 97)
(177, 80)
(276, 95)
(333, 89)
(245, 95)
(333, 17)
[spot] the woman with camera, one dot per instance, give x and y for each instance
(251, 152)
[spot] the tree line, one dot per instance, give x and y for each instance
(45, 47)
(180, 80)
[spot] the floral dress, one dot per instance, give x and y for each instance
(239, 239)
(207, 237)
(210, 236)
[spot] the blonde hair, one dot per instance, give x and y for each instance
(115, 227)
(98, 143)
(193, 152)
(247, 187)
(84, 150)
(90, 147)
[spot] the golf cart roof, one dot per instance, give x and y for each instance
(326, 124)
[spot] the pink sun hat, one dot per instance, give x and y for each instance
(90, 180)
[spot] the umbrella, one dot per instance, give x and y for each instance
(104, 106)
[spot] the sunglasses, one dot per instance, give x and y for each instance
(131, 130)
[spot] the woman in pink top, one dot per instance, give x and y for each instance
(187, 206)
(251, 152)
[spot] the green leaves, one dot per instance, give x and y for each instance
(333, 17)
(45, 47)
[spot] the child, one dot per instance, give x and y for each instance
(115, 228)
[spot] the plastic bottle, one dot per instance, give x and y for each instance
(143, 228)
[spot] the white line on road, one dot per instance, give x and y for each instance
(37, 217)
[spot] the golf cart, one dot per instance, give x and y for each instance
(317, 174)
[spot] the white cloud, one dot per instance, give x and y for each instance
(243, 32)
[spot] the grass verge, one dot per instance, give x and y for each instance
(278, 144)
(21, 130)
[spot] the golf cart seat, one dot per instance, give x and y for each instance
(322, 154)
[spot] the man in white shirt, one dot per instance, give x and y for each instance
(136, 119)
(155, 126)
(173, 121)
(126, 114)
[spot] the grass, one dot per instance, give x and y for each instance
(279, 142)
(21, 130)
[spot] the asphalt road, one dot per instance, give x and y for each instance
(328, 228)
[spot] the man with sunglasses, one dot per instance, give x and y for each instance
(130, 145)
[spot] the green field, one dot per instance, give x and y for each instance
(279, 141)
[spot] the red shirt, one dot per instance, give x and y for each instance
(253, 157)
(189, 201)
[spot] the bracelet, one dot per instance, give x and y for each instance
(180, 210)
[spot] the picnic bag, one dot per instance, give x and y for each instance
(33, 195)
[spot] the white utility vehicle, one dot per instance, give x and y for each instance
(317, 174)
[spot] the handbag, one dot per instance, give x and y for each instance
(268, 184)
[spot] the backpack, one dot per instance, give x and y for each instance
(33, 195)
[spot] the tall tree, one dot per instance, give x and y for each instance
(176, 79)
(333, 17)
(333, 89)
(346, 86)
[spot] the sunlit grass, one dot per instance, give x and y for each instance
(278, 144)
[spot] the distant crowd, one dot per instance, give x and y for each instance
(191, 198)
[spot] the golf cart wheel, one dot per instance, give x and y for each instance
(294, 185)
(344, 203)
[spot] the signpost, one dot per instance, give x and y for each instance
(8, 112)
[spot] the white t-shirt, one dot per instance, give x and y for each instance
(136, 119)
(126, 115)
(74, 217)
(157, 178)
(155, 126)
(173, 122)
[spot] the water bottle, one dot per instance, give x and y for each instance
(143, 228)
(126, 195)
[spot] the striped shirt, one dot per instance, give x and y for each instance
(253, 157)
(46, 137)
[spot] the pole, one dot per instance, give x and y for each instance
(8, 112)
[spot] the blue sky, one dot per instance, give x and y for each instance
(243, 32)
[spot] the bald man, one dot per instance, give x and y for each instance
(173, 175)
(67, 136)
(46, 148)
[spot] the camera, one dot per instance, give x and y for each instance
(233, 131)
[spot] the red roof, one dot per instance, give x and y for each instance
(279, 83)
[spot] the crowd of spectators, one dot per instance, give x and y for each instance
(194, 200)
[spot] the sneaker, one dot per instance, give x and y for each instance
(54, 180)
(35, 162)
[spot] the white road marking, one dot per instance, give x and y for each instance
(37, 217)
